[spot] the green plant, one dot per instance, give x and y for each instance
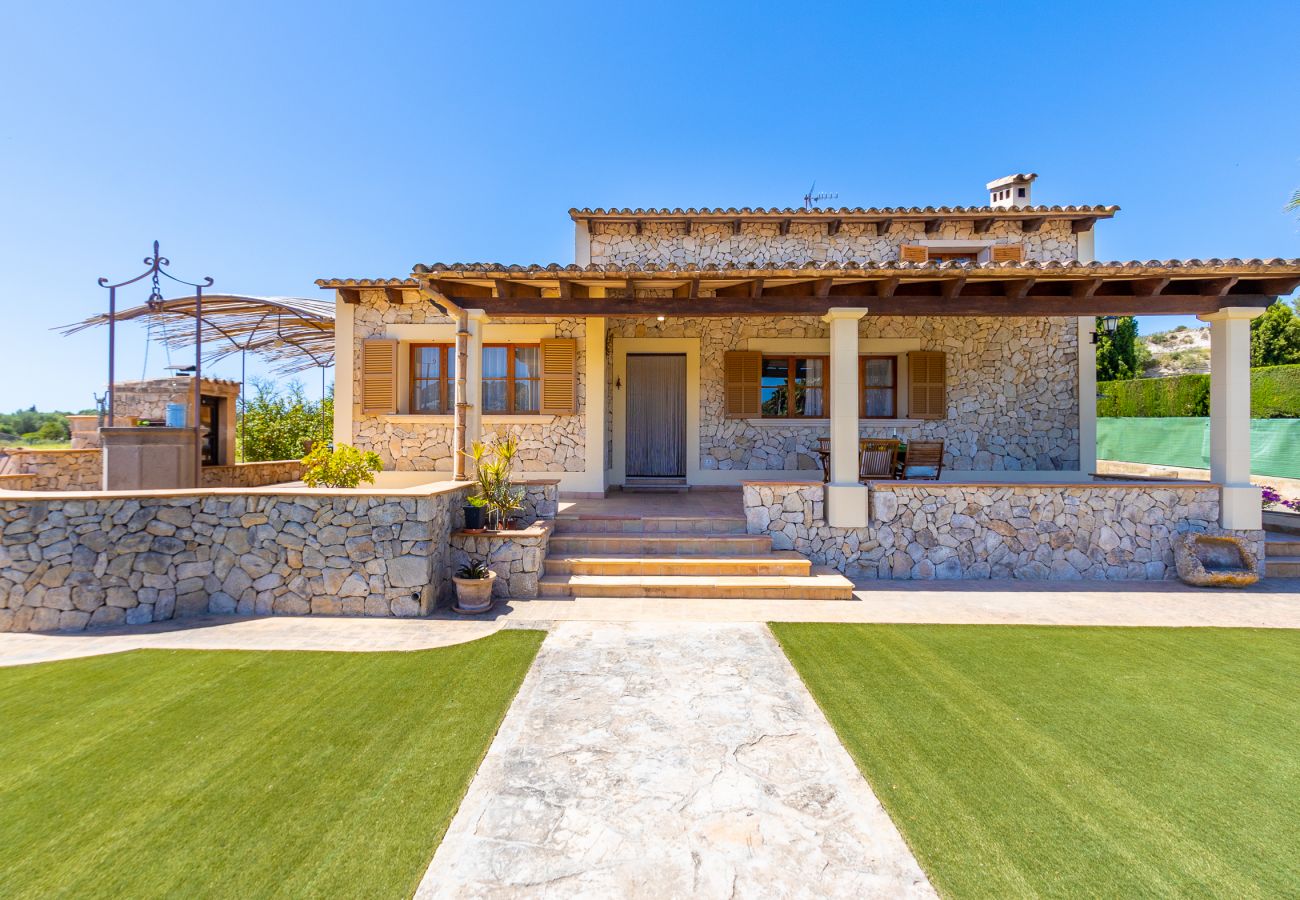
(1121, 355)
(1275, 337)
(343, 467)
(275, 422)
(1275, 394)
(476, 569)
(492, 469)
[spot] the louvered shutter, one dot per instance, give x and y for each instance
(379, 377)
(742, 376)
(1008, 253)
(559, 376)
(927, 384)
(913, 253)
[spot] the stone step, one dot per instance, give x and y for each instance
(659, 544)
(783, 562)
(650, 524)
(821, 584)
(1281, 545)
(1282, 567)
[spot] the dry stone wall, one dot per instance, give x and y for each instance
(56, 470)
(1053, 532)
(517, 557)
(78, 562)
(667, 242)
(253, 474)
(1012, 391)
(423, 443)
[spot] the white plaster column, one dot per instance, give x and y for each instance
(476, 319)
(593, 478)
(1087, 395)
(1239, 507)
(846, 498)
(582, 243)
(345, 374)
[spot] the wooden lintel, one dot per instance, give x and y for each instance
(349, 295)
(981, 226)
(1150, 287)
(1218, 287)
(1032, 224)
(1086, 288)
(1079, 226)
(883, 226)
(833, 227)
(1019, 289)
(783, 227)
(951, 287)
(933, 225)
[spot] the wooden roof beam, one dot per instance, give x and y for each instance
(950, 288)
(833, 227)
(735, 227)
(933, 225)
(394, 295)
(349, 295)
(1079, 226)
(883, 227)
(1032, 224)
(887, 287)
(1150, 287)
(689, 291)
(1018, 289)
(783, 227)
(1217, 287)
(981, 226)
(1086, 288)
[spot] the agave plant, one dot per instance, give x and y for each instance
(492, 469)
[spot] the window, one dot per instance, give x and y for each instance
(878, 376)
(794, 387)
(433, 374)
(511, 379)
(969, 256)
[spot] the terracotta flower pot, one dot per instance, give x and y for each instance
(474, 595)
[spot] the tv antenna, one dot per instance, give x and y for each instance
(812, 198)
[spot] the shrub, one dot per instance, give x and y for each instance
(343, 467)
(1275, 394)
(276, 424)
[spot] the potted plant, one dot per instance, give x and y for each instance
(475, 514)
(492, 465)
(474, 582)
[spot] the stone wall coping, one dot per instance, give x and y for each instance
(429, 489)
(14, 451)
(1062, 485)
(260, 462)
(538, 529)
(537, 481)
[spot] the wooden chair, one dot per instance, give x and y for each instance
(877, 459)
(824, 454)
(924, 460)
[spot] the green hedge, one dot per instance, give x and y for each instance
(1275, 394)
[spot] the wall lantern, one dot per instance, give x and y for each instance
(1109, 323)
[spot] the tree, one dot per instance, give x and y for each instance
(278, 425)
(1120, 356)
(1275, 337)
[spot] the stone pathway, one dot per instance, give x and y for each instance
(669, 760)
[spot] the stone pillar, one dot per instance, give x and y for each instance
(1239, 507)
(846, 498)
(474, 377)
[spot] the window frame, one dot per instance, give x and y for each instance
(445, 389)
(790, 359)
(511, 380)
(863, 386)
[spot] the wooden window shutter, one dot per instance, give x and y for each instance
(559, 376)
(742, 379)
(1008, 253)
(379, 377)
(913, 253)
(927, 384)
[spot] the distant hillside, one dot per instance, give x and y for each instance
(1179, 352)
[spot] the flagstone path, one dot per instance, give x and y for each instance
(668, 760)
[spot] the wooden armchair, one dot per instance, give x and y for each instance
(924, 460)
(877, 459)
(824, 455)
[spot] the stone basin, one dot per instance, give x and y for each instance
(1215, 560)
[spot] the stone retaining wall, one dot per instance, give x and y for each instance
(66, 563)
(971, 531)
(518, 557)
(56, 470)
(253, 474)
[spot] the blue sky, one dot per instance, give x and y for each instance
(268, 145)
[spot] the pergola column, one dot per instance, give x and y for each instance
(1239, 506)
(846, 498)
(475, 320)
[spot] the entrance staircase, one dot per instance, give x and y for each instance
(1281, 555)
(687, 557)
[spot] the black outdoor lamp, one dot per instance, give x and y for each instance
(1110, 323)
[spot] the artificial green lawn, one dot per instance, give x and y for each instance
(243, 774)
(1079, 762)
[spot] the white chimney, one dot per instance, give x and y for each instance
(1014, 190)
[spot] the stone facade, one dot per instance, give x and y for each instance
(54, 470)
(70, 563)
(667, 242)
(977, 531)
(423, 443)
(1012, 393)
(518, 557)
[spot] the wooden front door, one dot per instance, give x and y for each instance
(656, 415)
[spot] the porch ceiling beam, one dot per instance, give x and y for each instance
(981, 226)
(1217, 287)
(689, 291)
(394, 295)
(1085, 289)
(1278, 287)
(1150, 287)
(933, 225)
(883, 301)
(950, 288)
(349, 295)
(887, 287)
(1018, 290)
(1079, 226)
(449, 288)
(1032, 224)
(883, 226)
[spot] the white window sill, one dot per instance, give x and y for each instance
(825, 423)
(488, 419)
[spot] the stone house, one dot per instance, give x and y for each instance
(725, 347)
